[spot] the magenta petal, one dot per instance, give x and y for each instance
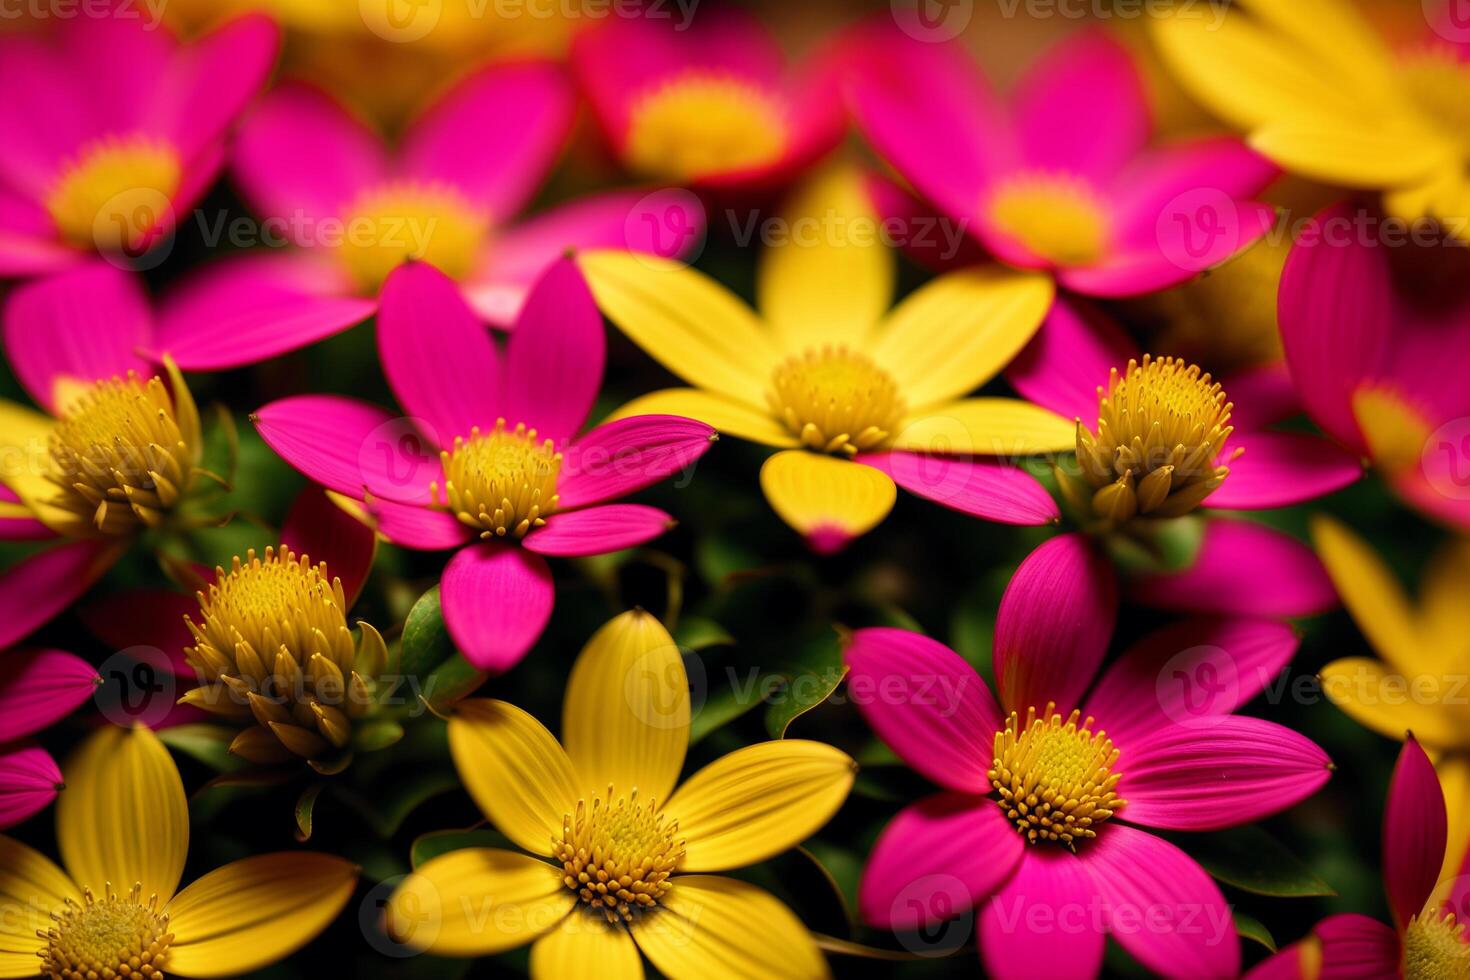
(1279, 469)
(1069, 359)
(598, 530)
(1414, 833)
(195, 102)
(1355, 947)
(37, 587)
(1189, 673)
(1242, 569)
(1212, 169)
(1230, 772)
(1423, 488)
(1262, 395)
(413, 526)
(497, 599)
(28, 243)
(619, 458)
(85, 324)
(993, 490)
(147, 618)
(249, 308)
(29, 782)
(49, 123)
(1043, 914)
(439, 359)
(1285, 965)
(935, 242)
(39, 688)
(936, 859)
(554, 361)
(318, 528)
(21, 528)
(1054, 624)
(1161, 906)
(927, 703)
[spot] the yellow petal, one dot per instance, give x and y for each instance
(1454, 779)
(476, 902)
(518, 774)
(730, 417)
(31, 886)
(831, 278)
(958, 331)
(712, 928)
(833, 499)
(1371, 594)
(988, 427)
(759, 801)
(585, 945)
(1353, 155)
(684, 320)
(251, 913)
(123, 818)
(626, 715)
(1444, 616)
(1392, 703)
(186, 413)
(1334, 32)
(25, 455)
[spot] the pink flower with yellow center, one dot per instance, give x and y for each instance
(120, 130)
(1059, 177)
(710, 102)
(38, 688)
(489, 461)
(1046, 791)
(352, 210)
(1427, 940)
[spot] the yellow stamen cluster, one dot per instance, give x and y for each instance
(274, 645)
(836, 400)
(618, 854)
(115, 192)
(1055, 777)
(1057, 217)
(1435, 947)
(700, 124)
(500, 483)
(119, 455)
(107, 938)
(389, 225)
(1162, 426)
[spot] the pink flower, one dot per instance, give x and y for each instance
(113, 128)
(1141, 750)
(354, 210)
(1427, 938)
(710, 102)
(490, 462)
(37, 689)
(1059, 177)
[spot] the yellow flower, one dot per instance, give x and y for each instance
(122, 826)
(618, 858)
(826, 372)
(1324, 96)
(1420, 682)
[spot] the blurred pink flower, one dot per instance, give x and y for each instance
(37, 689)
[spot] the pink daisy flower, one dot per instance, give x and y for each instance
(1045, 791)
(489, 461)
(710, 103)
(120, 129)
(1427, 940)
(1059, 177)
(37, 689)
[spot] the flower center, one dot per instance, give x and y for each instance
(1056, 217)
(835, 400)
(391, 224)
(701, 124)
(1055, 778)
(618, 854)
(110, 937)
(1435, 947)
(1161, 428)
(500, 483)
(1439, 83)
(118, 455)
(114, 192)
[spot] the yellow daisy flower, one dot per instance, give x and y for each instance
(1419, 684)
(828, 374)
(619, 860)
(122, 827)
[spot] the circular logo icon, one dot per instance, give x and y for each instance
(138, 687)
(399, 459)
(1199, 229)
(401, 21)
(1450, 19)
(1446, 459)
(669, 222)
(654, 687)
(1199, 686)
(933, 915)
(416, 919)
(932, 20)
(134, 229)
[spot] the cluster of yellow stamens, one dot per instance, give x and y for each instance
(500, 483)
(1435, 947)
(1162, 427)
(389, 225)
(618, 854)
(115, 192)
(274, 645)
(107, 938)
(1057, 217)
(120, 456)
(700, 124)
(1055, 777)
(836, 400)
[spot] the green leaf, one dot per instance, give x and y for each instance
(450, 682)
(720, 707)
(425, 643)
(810, 680)
(700, 633)
(428, 846)
(391, 805)
(1252, 860)
(206, 743)
(1254, 930)
(373, 736)
(305, 805)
